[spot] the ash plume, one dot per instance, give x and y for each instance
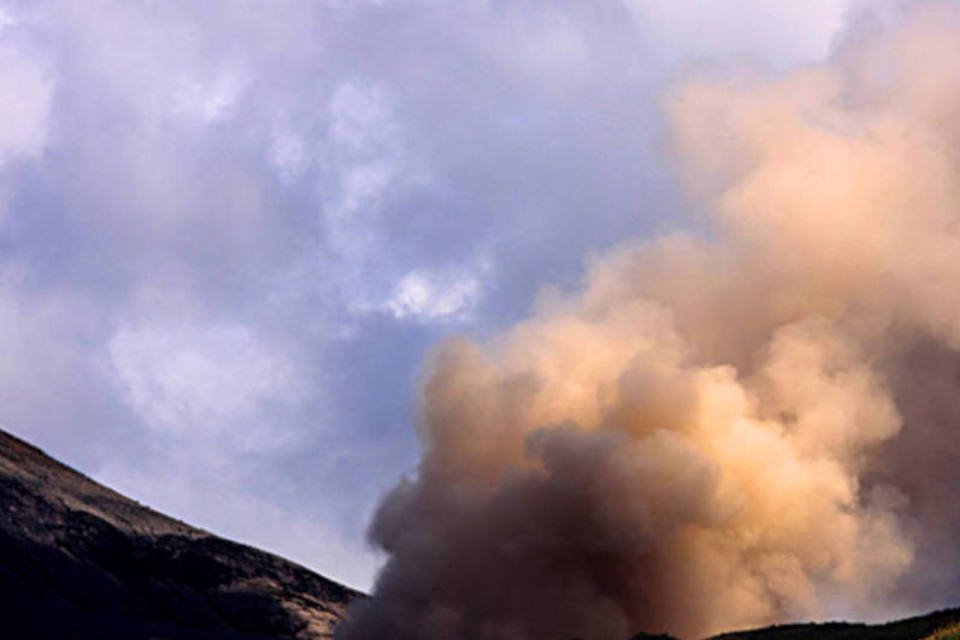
(756, 424)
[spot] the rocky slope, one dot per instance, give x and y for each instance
(78, 561)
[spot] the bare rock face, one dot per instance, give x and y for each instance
(78, 561)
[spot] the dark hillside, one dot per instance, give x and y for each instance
(909, 629)
(78, 560)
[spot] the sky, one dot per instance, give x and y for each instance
(230, 232)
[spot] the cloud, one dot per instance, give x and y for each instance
(27, 89)
(214, 378)
(729, 28)
(207, 102)
(26, 97)
(225, 223)
(426, 296)
(717, 430)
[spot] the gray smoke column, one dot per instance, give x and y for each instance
(759, 426)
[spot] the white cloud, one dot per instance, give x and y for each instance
(789, 32)
(360, 118)
(366, 163)
(429, 295)
(210, 101)
(288, 156)
(7, 19)
(549, 44)
(363, 161)
(26, 95)
(215, 379)
(351, 215)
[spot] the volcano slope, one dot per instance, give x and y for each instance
(939, 625)
(78, 561)
(917, 628)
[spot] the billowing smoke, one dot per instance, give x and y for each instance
(753, 424)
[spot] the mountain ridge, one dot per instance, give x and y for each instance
(912, 628)
(79, 560)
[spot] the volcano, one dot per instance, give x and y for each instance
(78, 560)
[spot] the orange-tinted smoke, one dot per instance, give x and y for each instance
(727, 432)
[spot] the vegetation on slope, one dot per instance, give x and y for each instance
(923, 627)
(950, 632)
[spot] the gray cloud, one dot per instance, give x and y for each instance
(230, 231)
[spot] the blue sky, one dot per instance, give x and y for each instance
(229, 232)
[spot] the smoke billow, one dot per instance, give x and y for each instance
(754, 425)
